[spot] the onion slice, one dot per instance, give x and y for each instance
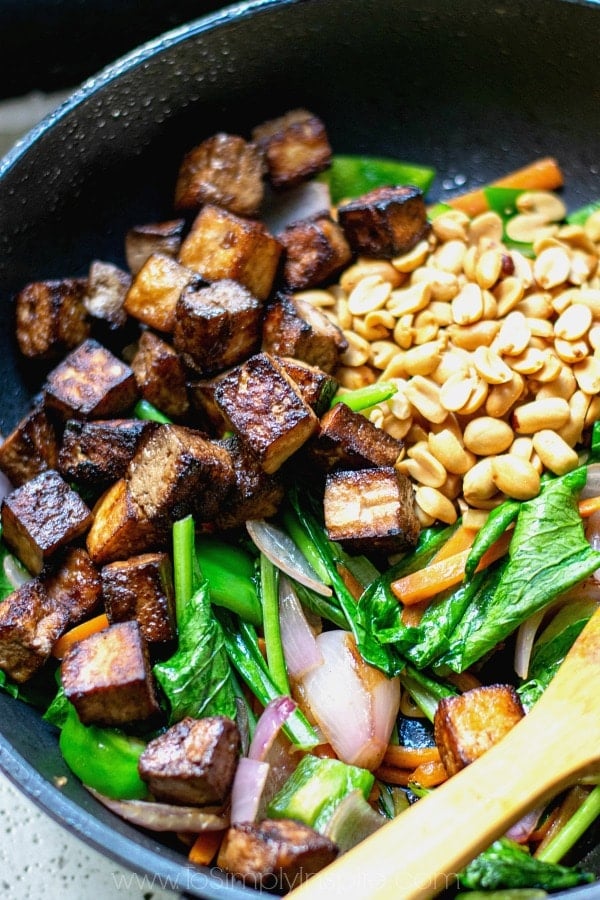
(164, 816)
(281, 550)
(300, 647)
(247, 789)
(268, 726)
(592, 485)
(521, 830)
(524, 642)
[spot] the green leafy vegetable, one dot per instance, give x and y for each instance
(495, 525)
(350, 176)
(507, 865)
(316, 788)
(230, 574)
(425, 691)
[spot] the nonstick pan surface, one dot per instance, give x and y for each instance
(471, 88)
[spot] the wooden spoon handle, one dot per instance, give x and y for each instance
(419, 853)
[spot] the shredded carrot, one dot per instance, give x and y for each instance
(429, 774)
(426, 583)
(589, 506)
(393, 775)
(205, 847)
(409, 757)
(353, 584)
(78, 633)
(462, 539)
(541, 175)
(570, 804)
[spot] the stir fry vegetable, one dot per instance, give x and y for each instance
(347, 469)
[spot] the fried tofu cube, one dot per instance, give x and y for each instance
(385, 222)
(91, 382)
(178, 471)
(95, 454)
(51, 317)
(31, 448)
(295, 145)
(203, 401)
(42, 516)
(313, 252)
(467, 725)
(120, 528)
(222, 245)
(107, 287)
(294, 327)
(264, 406)
(370, 510)
(193, 763)
(255, 494)
(35, 615)
(282, 853)
(348, 440)
(317, 387)
(108, 678)
(224, 170)
(160, 375)
(143, 241)
(153, 296)
(217, 326)
(141, 588)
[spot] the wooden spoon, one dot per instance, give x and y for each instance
(418, 854)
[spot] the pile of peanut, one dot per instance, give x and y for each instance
(495, 356)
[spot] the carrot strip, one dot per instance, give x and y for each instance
(462, 539)
(409, 757)
(205, 847)
(353, 584)
(429, 774)
(78, 633)
(589, 506)
(412, 615)
(570, 804)
(393, 775)
(541, 175)
(426, 583)
(464, 681)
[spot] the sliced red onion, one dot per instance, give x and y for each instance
(592, 485)
(352, 821)
(16, 574)
(307, 201)
(524, 642)
(268, 726)
(247, 789)
(300, 647)
(164, 816)
(280, 549)
(354, 704)
(521, 831)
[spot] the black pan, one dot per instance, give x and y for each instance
(472, 88)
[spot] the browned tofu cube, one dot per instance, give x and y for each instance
(280, 853)
(217, 326)
(108, 679)
(143, 241)
(91, 382)
(42, 516)
(294, 327)
(296, 147)
(386, 222)
(31, 448)
(95, 454)
(203, 402)
(370, 509)
(255, 494)
(225, 170)
(141, 588)
(160, 375)
(348, 440)
(317, 387)
(222, 245)
(120, 528)
(264, 406)
(153, 296)
(193, 763)
(467, 725)
(178, 471)
(313, 252)
(51, 317)
(35, 615)
(105, 294)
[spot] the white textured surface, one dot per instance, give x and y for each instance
(39, 860)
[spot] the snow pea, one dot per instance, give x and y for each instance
(351, 176)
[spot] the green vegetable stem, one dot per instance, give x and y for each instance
(229, 572)
(145, 410)
(103, 758)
